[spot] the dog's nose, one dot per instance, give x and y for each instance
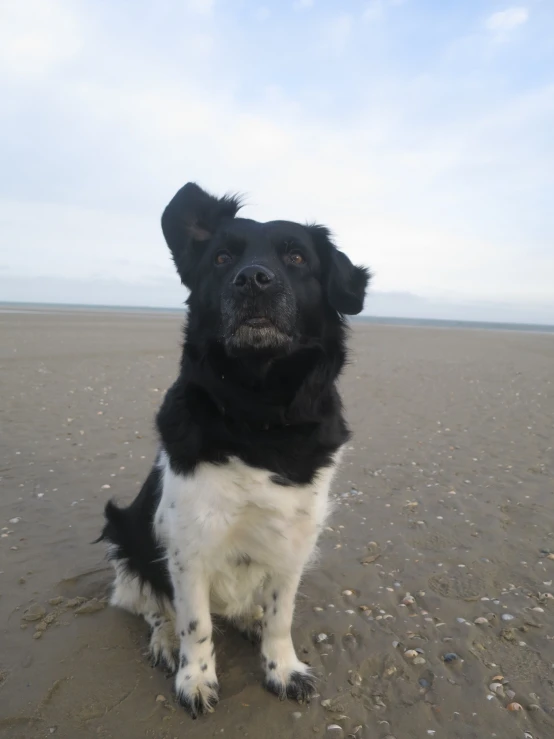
(253, 277)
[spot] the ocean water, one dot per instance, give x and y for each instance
(377, 320)
(446, 323)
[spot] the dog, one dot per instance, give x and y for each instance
(250, 436)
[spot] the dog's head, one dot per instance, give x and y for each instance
(257, 287)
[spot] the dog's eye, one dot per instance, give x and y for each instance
(223, 257)
(295, 257)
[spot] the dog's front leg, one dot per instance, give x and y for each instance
(196, 683)
(285, 674)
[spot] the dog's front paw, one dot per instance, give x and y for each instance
(197, 690)
(289, 681)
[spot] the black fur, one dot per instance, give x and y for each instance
(300, 687)
(264, 345)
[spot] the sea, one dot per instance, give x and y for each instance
(53, 308)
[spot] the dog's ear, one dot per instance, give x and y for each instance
(345, 284)
(190, 219)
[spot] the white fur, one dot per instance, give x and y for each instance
(234, 539)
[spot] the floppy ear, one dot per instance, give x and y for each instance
(191, 218)
(344, 282)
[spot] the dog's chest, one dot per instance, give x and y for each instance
(234, 512)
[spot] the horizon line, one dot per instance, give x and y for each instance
(391, 320)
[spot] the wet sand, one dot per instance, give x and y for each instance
(446, 493)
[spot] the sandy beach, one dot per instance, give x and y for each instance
(436, 575)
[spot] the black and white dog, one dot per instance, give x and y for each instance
(250, 436)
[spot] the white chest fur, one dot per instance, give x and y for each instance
(238, 525)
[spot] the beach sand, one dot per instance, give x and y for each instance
(446, 493)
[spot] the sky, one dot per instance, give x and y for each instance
(421, 132)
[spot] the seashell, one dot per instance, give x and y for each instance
(419, 661)
(514, 707)
(510, 695)
(408, 600)
(334, 727)
(410, 654)
(481, 620)
(320, 638)
(497, 688)
(375, 553)
(550, 556)
(538, 609)
(498, 678)
(507, 617)
(317, 609)
(364, 608)
(348, 592)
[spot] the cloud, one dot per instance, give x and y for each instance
(335, 33)
(376, 9)
(201, 7)
(36, 36)
(303, 4)
(507, 20)
(410, 162)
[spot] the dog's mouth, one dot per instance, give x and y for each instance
(263, 325)
(258, 322)
(257, 333)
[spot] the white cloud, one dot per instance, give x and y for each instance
(374, 11)
(336, 33)
(201, 7)
(406, 190)
(381, 196)
(37, 35)
(107, 246)
(303, 4)
(506, 20)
